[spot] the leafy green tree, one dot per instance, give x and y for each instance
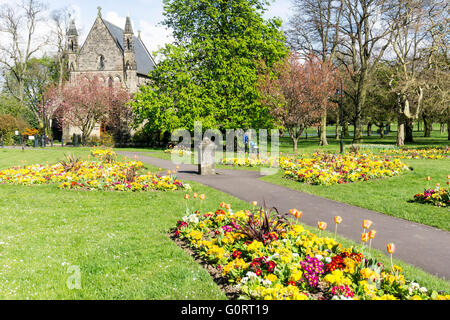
(41, 72)
(210, 73)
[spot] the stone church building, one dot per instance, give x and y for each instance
(112, 54)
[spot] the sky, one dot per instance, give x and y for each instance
(145, 15)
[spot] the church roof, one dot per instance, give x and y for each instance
(144, 61)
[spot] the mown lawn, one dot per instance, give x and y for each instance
(390, 196)
(118, 241)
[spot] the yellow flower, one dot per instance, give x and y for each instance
(255, 245)
(337, 278)
(271, 277)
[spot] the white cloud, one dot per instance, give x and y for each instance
(114, 18)
(154, 36)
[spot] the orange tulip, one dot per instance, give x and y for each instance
(322, 225)
(296, 213)
(367, 224)
(372, 234)
(254, 203)
(390, 248)
(228, 206)
(223, 204)
(186, 196)
(337, 219)
(428, 178)
(364, 237)
(202, 197)
(194, 195)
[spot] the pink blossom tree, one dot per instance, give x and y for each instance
(88, 103)
(286, 92)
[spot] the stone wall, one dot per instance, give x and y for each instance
(100, 43)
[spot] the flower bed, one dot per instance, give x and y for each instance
(329, 169)
(247, 161)
(266, 257)
(437, 196)
(102, 174)
(178, 150)
(429, 153)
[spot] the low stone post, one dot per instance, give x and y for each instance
(207, 157)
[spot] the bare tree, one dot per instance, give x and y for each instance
(60, 19)
(366, 31)
(18, 25)
(314, 27)
(415, 37)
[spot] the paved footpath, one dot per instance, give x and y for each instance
(425, 247)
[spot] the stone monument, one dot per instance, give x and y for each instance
(207, 157)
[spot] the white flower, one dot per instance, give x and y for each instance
(193, 218)
(266, 282)
(423, 290)
(319, 257)
(327, 259)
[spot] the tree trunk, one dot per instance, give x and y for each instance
(401, 131)
(359, 105)
(381, 126)
(442, 129)
(369, 129)
(428, 125)
(323, 129)
(295, 141)
(409, 130)
(448, 123)
(345, 129)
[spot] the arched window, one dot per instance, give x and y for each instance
(101, 62)
(71, 45)
(110, 82)
(128, 44)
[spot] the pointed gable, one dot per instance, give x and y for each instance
(100, 46)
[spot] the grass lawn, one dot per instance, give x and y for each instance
(118, 240)
(389, 195)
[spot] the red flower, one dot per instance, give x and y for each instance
(237, 254)
(271, 266)
(258, 272)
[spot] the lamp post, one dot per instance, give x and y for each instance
(341, 116)
(342, 119)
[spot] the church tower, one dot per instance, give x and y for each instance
(129, 56)
(72, 46)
